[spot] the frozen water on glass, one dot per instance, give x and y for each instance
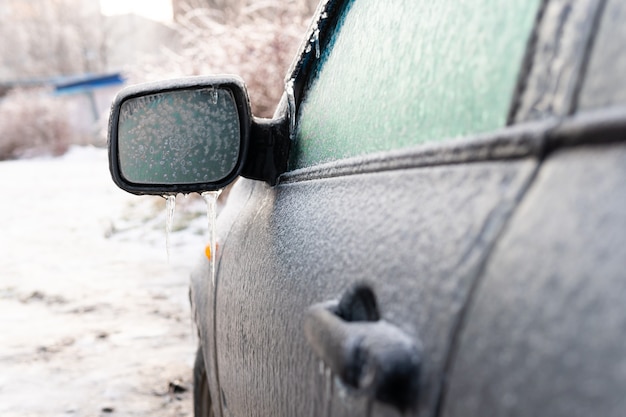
(179, 137)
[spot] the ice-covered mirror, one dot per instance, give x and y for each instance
(179, 137)
(189, 137)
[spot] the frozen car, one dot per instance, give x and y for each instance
(433, 223)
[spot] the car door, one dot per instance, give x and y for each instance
(403, 173)
(545, 328)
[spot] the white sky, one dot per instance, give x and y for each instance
(160, 10)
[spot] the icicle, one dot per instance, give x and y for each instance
(211, 208)
(316, 41)
(291, 103)
(170, 208)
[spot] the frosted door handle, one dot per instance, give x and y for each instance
(368, 354)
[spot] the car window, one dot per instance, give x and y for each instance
(399, 73)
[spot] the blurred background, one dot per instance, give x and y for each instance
(62, 61)
(94, 312)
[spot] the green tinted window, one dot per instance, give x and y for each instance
(402, 72)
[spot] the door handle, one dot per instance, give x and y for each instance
(368, 354)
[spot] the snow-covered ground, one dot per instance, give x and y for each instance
(94, 319)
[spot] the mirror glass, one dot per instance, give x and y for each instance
(179, 137)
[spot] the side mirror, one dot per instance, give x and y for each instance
(186, 135)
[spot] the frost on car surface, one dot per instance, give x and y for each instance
(178, 137)
(417, 72)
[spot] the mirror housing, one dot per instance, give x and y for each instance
(179, 136)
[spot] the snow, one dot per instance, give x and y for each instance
(92, 314)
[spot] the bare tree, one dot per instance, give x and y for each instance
(42, 38)
(254, 39)
(34, 123)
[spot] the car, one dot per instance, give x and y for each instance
(432, 224)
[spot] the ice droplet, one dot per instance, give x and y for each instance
(170, 208)
(291, 103)
(211, 209)
(214, 95)
(316, 41)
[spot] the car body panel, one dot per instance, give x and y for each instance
(544, 333)
(416, 236)
(604, 84)
(556, 56)
(203, 290)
